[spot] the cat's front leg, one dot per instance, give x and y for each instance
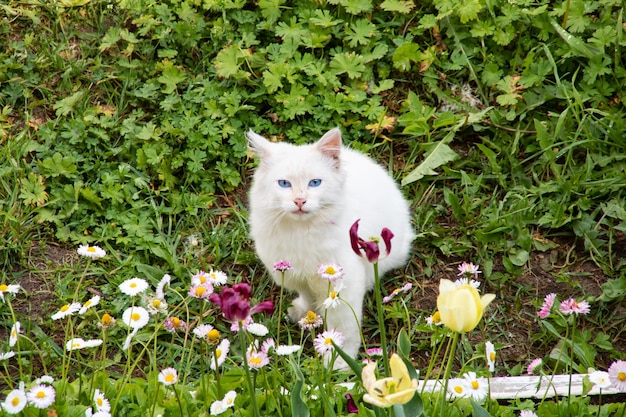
(299, 307)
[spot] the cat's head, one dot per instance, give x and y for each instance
(299, 182)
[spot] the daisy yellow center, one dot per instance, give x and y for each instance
(475, 384)
(14, 333)
(176, 321)
(133, 285)
(65, 308)
(436, 317)
(156, 303)
(330, 270)
(15, 402)
(311, 315)
(99, 401)
(87, 304)
(106, 319)
(328, 341)
(200, 291)
(229, 401)
(218, 353)
(135, 316)
(458, 389)
(492, 356)
(621, 376)
(333, 295)
(75, 345)
(91, 249)
(202, 279)
(40, 394)
(4, 287)
(169, 378)
(213, 335)
(255, 361)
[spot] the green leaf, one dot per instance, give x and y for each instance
(404, 55)
(404, 344)
(398, 6)
(469, 10)
(171, 76)
(438, 154)
(65, 106)
(348, 62)
(356, 367)
(577, 45)
(298, 406)
(59, 165)
(478, 410)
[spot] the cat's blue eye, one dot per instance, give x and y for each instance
(284, 184)
(315, 182)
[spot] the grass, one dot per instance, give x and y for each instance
(122, 124)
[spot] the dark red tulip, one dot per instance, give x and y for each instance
(235, 303)
(369, 248)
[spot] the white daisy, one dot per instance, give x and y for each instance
(477, 387)
(129, 339)
(155, 304)
(202, 330)
(44, 379)
(257, 329)
(168, 376)
(334, 298)
(66, 310)
(41, 396)
(15, 401)
(458, 388)
(93, 252)
(6, 355)
(92, 302)
(218, 407)
(221, 352)
(229, 399)
(135, 317)
(15, 332)
(331, 272)
(490, 353)
(217, 277)
(285, 350)
(11, 289)
(600, 379)
(101, 402)
(161, 285)
(133, 286)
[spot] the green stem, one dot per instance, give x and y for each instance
(244, 350)
(455, 339)
(280, 306)
(381, 319)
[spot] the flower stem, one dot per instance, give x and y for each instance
(381, 318)
(280, 306)
(244, 350)
(448, 371)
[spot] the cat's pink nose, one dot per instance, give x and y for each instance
(299, 202)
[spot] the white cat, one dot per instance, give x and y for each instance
(303, 201)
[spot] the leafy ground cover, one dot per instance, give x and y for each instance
(122, 124)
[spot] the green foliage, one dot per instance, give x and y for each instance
(509, 116)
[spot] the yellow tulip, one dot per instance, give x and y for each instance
(461, 307)
(385, 392)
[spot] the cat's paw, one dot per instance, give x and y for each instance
(298, 309)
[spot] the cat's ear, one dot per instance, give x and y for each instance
(330, 145)
(259, 145)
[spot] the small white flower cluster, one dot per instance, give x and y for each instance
(41, 395)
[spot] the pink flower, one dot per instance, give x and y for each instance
(534, 364)
(174, 324)
(617, 375)
(572, 306)
(548, 301)
(405, 288)
(468, 269)
(201, 290)
(527, 413)
(282, 266)
(324, 342)
(257, 359)
(235, 303)
(369, 249)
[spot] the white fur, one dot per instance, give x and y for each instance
(353, 187)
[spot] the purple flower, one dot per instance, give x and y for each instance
(235, 303)
(351, 405)
(548, 301)
(369, 248)
(282, 266)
